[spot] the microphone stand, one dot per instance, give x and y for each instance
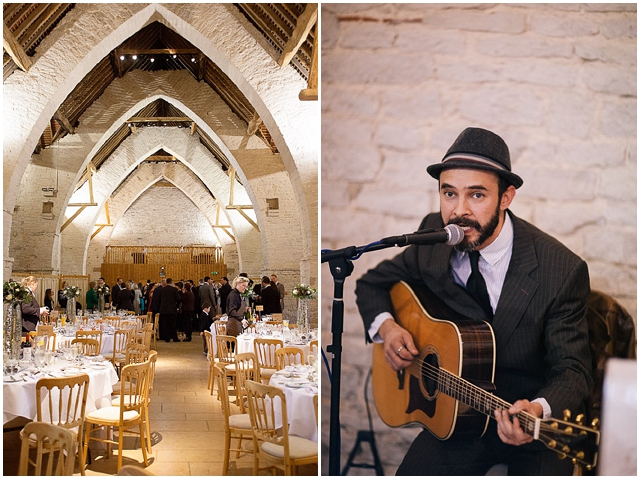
(341, 266)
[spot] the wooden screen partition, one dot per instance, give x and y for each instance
(158, 262)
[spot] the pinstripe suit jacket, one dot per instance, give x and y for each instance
(540, 327)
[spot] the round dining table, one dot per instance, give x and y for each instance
(19, 389)
(299, 390)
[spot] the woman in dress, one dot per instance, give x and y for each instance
(137, 294)
(236, 306)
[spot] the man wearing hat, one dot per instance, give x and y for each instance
(528, 286)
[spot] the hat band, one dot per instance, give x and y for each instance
(480, 160)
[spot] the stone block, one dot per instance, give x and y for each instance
(523, 46)
(559, 184)
(613, 79)
(399, 135)
(358, 163)
(621, 52)
(367, 35)
(623, 25)
(618, 184)
(562, 25)
(421, 37)
(514, 106)
(415, 104)
(618, 118)
(352, 101)
(511, 21)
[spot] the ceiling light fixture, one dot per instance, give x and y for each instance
(121, 57)
(193, 59)
(135, 57)
(153, 60)
(175, 56)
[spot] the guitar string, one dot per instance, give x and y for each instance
(464, 386)
(459, 389)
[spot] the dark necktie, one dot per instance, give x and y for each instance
(476, 285)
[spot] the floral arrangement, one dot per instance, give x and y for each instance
(72, 291)
(304, 291)
(102, 289)
(14, 292)
(248, 293)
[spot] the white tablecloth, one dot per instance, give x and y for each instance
(106, 349)
(245, 343)
(19, 398)
(300, 411)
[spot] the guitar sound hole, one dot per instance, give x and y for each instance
(429, 373)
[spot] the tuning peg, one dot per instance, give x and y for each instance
(561, 456)
(595, 423)
(589, 467)
(580, 419)
(568, 430)
(580, 455)
(567, 414)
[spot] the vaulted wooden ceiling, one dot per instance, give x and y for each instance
(289, 28)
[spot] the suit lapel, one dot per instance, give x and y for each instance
(519, 287)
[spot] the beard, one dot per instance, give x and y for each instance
(486, 230)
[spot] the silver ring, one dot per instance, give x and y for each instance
(399, 349)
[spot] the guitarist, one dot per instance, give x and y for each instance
(532, 290)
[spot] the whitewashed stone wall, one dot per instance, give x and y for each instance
(84, 37)
(400, 82)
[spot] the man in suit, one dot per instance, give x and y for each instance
(534, 295)
(269, 297)
(208, 295)
(280, 288)
(224, 291)
(168, 301)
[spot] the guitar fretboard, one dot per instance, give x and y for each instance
(472, 395)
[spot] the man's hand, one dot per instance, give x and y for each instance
(399, 348)
(509, 430)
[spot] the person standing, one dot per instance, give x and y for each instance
(188, 311)
(269, 297)
(280, 288)
(91, 297)
(205, 324)
(236, 306)
(224, 291)
(62, 298)
(207, 295)
(124, 297)
(137, 296)
(31, 311)
(168, 301)
(48, 299)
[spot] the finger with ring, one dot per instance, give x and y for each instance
(399, 349)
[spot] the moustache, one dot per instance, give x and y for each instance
(466, 222)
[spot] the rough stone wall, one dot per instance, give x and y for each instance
(400, 82)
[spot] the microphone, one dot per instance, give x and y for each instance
(451, 235)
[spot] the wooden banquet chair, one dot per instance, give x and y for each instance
(277, 446)
(91, 334)
(129, 412)
(236, 426)
(90, 347)
(121, 338)
(63, 404)
(153, 356)
(53, 443)
(313, 348)
(265, 350)
(47, 330)
(288, 356)
(221, 327)
(130, 470)
(226, 347)
(211, 357)
(246, 369)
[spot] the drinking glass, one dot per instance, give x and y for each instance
(38, 358)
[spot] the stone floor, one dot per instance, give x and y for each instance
(186, 423)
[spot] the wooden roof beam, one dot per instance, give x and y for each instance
(15, 50)
(158, 119)
(311, 93)
(305, 23)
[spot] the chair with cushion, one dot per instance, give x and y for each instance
(54, 444)
(89, 346)
(211, 357)
(153, 356)
(288, 356)
(221, 327)
(91, 334)
(129, 412)
(246, 369)
(62, 402)
(236, 426)
(277, 447)
(265, 350)
(121, 339)
(226, 350)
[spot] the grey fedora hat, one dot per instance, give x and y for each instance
(479, 149)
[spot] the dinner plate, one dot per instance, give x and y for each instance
(104, 365)
(8, 379)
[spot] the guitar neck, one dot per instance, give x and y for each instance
(479, 399)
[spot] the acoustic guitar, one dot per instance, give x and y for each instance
(448, 388)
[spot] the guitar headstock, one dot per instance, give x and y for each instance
(572, 440)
